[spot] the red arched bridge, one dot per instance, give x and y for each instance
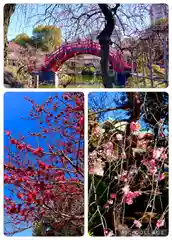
(56, 59)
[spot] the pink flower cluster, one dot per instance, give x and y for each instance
(124, 176)
(151, 165)
(134, 126)
(129, 196)
(119, 137)
(160, 223)
(110, 201)
(137, 223)
(108, 233)
(109, 149)
(97, 132)
(159, 153)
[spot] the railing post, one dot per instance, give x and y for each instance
(36, 81)
(165, 58)
(150, 61)
(56, 80)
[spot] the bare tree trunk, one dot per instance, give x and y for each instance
(8, 12)
(104, 41)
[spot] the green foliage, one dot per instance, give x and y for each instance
(47, 37)
(90, 69)
(22, 39)
(38, 229)
(90, 233)
(161, 21)
(66, 79)
(157, 71)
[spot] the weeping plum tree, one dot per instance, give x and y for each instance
(128, 164)
(44, 183)
(81, 20)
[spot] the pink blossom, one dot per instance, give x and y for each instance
(108, 146)
(112, 195)
(163, 156)
(97, 132)
(119, 137)
(129, 201)
(161, 177)
(137, 194)
(110, 201)
(105, 231)
(93, 154)
(137, 223)
(91, 170)
(160, 223)
(123, 177)
(109, 153)
(106, 206)
(129, 196)
(134, 126)
(153, 170)
(110, 234)
(8, 133)
(126, 189)
(162, 134)
(157, 152)
(151, 165)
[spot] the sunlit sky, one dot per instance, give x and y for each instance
(23, 21)
(16, 106)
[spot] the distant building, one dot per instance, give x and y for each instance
(157, 12)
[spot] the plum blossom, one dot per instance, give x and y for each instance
(124, 176)
(161, 177)
(106, 206)
(109, 150)
(119, 137)
(108, 146)
(137, 223)
(105, 231)
(160, 223)
(113, 195)
(93, 155)
(91, 170)
(134, 126)
(151, 165)
(110, 201)
(97, 132)
(129, 196)
(110, 234)
(126, 189)
(157, 152)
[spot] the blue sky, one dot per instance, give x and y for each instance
(16, 106)
(104, 100)
(23, 21)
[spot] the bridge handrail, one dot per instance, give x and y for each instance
(114, 54)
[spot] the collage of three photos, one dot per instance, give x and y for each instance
(72, 55)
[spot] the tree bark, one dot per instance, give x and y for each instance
(104, 41)
(8, 12)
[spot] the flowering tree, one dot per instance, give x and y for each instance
(45, 182)
(86, 20)
(128, 164)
